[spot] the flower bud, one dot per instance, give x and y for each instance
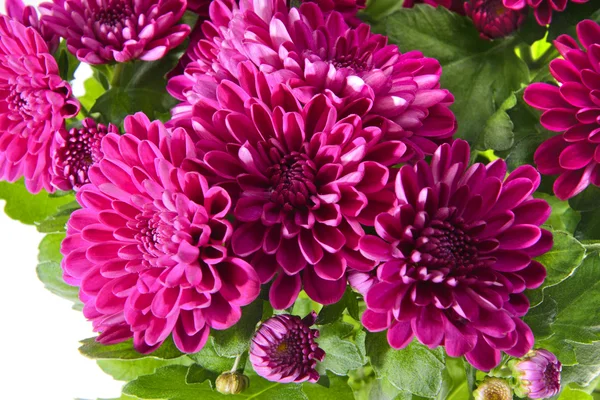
(537, 374)
(232, 383)
(493, 389)
(492, 19)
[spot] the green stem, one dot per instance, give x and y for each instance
(236, 363)
(591, 246)
(116, 78)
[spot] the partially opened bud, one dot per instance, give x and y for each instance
(492, 19)
(493, 389)
(537, 374)
(232, 383)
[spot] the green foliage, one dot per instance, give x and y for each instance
(342, 353)
(415, 369)
(67, 62)
(334, 312)
(125, 351)
(563, 217)
(58, 221)
(30, 208)
(49, 271)
(128, 370)
(211, 361)
(480, 74)
(236, 340)
(565, 22)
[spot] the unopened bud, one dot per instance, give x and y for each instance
(493, 389)
(232, 383)
(537, 374)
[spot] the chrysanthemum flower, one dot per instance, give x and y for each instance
(542, 9)
(537, 374)
(456, 257)
(348, 8)
(357, 70)
(149, 248)
(28, 16)
(76, 150)
(284, 349)
(453, 5)
(574, 109)
(103, 31)
(34, 103)
(302, 179)
(200, 7)
(493, 20)
(493, 389)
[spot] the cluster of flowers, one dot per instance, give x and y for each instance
(499, 18)
(280, 157)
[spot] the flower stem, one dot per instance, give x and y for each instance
(117, 72)
(236, 363)
(593, 246)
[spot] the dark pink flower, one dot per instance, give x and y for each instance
(149, 247)
(537, 374)
(348, 8)
(28, 16)
(316, 54)
(542, 9)
(303, 181)
(103, 31)
(573, 109)
(200, 7)
(457, 253)
(453, 5)
(77, 150)
(284, 349)
(492, 19)
(34, 103)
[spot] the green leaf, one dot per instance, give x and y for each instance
(573, 394)
(570, 310)
(341, 355)
(210, 360)
(528, 134)
(29, 208)
(338, 389)
(566, 255)
(479, 73)
(198, 374)
(588, 365)
(125, 351)
(498, 131)
(333, 312)
(67, 62)
(128, 370)
(563, 217)
(58, 222)
(236, 340)
(169, 384)
(49, 271)
(93, 90)
(415, 369)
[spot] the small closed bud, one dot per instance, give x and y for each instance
(232, 383)
(537, 374)
(493, 389)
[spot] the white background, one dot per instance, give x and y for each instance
(39, 332)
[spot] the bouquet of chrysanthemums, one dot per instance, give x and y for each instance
(318, 199)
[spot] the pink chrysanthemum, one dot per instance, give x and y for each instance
(492, 19)
(103, 31)
(456, 257)
(200, 7)
(303, 181)
(537, 374)
(76, 150)
(348, 8)
(357, 70)
(453, 5)
(34, 103)
(28, 16)
(149, 248)
(574, 109)
(284, 349)
(542, 9)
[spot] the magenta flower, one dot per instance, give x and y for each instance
(357, 70)
(453, 5)
(28, 16)
(34, 103)
(200, 7)
(303, 182)
(493, 20)
(542, 9)
(573, 109)
(149, 248)
(348, 8)
(103, 31)
(456, 256)
(78, 149)
(537, 374)
(284, 349)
